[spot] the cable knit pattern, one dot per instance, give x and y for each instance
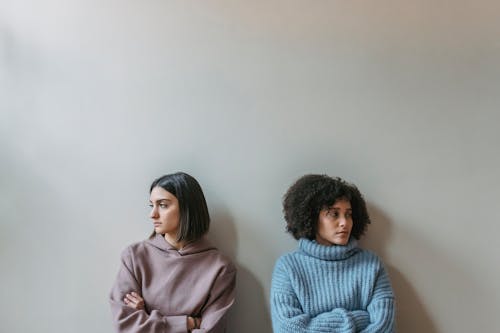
(321, 288)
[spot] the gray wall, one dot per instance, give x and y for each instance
(99, 97)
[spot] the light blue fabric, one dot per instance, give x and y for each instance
(331, 289)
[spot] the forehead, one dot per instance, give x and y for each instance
(159, 193)
(341, 204)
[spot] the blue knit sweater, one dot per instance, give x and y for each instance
(321, 288)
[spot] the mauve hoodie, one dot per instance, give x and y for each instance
(194, 281)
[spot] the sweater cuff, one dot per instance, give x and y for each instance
(361, 319)
(176, 324)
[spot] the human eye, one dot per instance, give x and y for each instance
(163, 205)
(150, 205)
(348, 215)
(333, 213)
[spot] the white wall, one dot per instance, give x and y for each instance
(100, 97)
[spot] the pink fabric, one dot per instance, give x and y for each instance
(194, 281)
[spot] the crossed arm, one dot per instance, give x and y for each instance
(288, 315)
(135, 301)
(127, 306)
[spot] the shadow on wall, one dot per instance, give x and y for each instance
(411, 315)
(249, 313)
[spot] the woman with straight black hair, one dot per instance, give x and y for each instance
(175, 281)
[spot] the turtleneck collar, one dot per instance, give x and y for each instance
(333, 252)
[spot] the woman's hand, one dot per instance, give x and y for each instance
(193, 323)
(134, 300)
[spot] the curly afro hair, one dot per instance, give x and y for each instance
(310, 194)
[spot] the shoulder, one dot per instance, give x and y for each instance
(288, 257)
(368, 258)
(288, 271)
(288, 261)
(135, 247)
(222, 261)
(203, 252)
(368, 254)
(134, 251)
(225, 261)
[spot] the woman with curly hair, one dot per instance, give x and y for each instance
(329, 284)
(175, 281)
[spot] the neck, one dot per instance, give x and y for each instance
(172, 240)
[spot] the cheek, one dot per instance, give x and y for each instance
(173, 217)
(351, 223)
(327, 228)
(167, 216)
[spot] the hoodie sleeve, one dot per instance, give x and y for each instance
(222, 294)
(129, 320)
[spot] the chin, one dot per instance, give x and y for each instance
(159, 231)
(341, 241)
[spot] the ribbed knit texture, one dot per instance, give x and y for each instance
(321, 288)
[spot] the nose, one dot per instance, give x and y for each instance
(342, 221)
(153, 213)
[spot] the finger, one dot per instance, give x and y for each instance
(132, 305)
(132, 298)
(137, 296)
(129, 303)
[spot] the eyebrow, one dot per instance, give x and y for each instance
(160, 200)
(336, 208)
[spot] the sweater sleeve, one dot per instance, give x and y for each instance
(129, 320)
(381, 306)
(221, 298)
(360, 318)
(287, 314)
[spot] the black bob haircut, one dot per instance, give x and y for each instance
(193, 211)
(304, 200)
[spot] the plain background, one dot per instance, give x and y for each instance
(100, 97)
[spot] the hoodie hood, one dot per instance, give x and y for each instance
(200, 245)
